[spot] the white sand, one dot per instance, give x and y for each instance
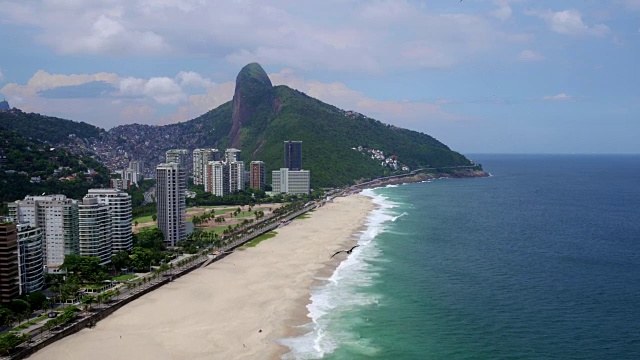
(217, 312)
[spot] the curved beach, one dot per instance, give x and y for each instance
(236, 308)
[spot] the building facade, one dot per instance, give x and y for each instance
(257, 175)
(201, 158)
(293, 155)
(291, 181)
(119, 203)
(9, 281)
(58, 217)
(170, 195)
(30, 258)
(137, 166)
(178, 156)
(217, 180)
(231, 155)
(236, 176)
(94, 229)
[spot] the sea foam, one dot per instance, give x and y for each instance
(342, 292)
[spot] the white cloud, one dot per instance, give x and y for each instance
(570, 22)
(361, 36)
(163, 90)
(193, 79)
(530, 55)
(503, 12)
(1, 76)
(559, 97)
(43, 80)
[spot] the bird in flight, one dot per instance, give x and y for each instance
(344, 251)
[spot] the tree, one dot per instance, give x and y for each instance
(154, 217)
(18, 306)
(135, 223)
(88, 300)
(120, 260)
(86, 268)
(6, 316)
(37, 300)
(9, 341)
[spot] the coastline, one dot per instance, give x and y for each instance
(239, 307)
(421, 176)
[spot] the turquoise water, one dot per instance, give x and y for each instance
(540, 261)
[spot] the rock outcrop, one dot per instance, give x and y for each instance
(253, 91)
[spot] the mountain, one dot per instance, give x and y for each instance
(338, 146)
(29, 167)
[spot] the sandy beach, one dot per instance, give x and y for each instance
(236, 308)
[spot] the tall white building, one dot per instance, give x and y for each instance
(236, 176)
(178, 156)
(58, 217)
(30, 258)
(170, 196)
(119, 203)
(137, 166)
(201, 158)
(291, 181)
(94, 227)
(231, 155)
(217, 178)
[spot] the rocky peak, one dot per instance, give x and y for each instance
(4, 105)
(253, 89)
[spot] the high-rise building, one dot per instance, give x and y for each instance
(231, 155)
(217, 179)
(201, 158)
(291, 181)
(137, 166)
(171, 184)
(30, 258)
(257, 175)
(293, 155)
(119, 203)
(58, 217)
(94, 229)
(9, 280)
(178, 156)
(120, 184)
(236, 176)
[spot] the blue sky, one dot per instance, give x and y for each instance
(492, 76)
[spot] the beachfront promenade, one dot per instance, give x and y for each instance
(42, 336)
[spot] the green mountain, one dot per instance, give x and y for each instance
(257, 121)
(29, 167)
(45, 128)
(261, 117)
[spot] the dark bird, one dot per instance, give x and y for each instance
(344, 251)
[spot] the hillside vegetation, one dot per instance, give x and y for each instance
(54, 170)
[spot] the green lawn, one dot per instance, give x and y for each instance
(124, 277)
(143, 219)
(261, 238)
(216, 230)
(303, 216)
(30, 322)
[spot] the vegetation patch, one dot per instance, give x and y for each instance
(125, 277)
(261, 238)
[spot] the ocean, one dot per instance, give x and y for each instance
(539, 261)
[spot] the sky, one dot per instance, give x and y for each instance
(482, 76)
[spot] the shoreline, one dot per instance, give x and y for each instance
(300, 317)
(419, 177)
(236, 308)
